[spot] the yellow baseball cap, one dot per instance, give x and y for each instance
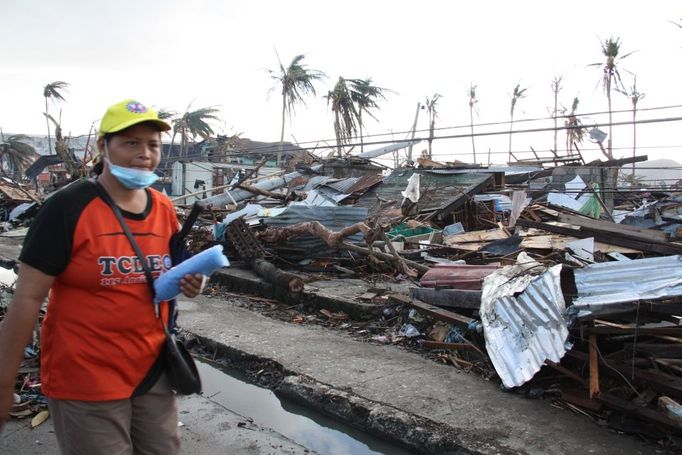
(128, 113)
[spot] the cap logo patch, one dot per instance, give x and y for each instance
(136, 107)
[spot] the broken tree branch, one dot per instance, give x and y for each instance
(333, 239)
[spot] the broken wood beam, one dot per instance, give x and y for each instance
(433, 311)
(594, 366)
(650, 415)
(648, 331)
(566, 372)
(655, 380)
(611, 238)
(275, 275)
(261, 192)
(643, 234)
(577, 398)
(448, 298)
(428, 344)
(660, 350)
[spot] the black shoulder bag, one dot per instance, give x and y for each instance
(177, 361)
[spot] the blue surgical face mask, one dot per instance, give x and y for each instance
(131, 178)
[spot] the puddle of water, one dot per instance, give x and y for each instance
(313, 430)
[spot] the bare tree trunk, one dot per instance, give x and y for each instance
(281, 136)
(609, 143)
(362, 144)
(511, 127)
(49, 138)
(337, 133)
(471, 123)
(556, 131)
(634, 139)
(432, 124)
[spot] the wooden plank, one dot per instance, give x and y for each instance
(663, 350)
(449, 346)
(594, 367)
(578, 399)
(431, 310)
(448, 298)
(661, 382)
(566, 372)
(610, 238)
(607, 226)
(558, 242)
(649, 331)
(476, 236)
(650, 415)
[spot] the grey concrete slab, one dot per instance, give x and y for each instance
(484, 418)
(207, 428)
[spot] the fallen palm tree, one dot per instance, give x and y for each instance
(336, 240)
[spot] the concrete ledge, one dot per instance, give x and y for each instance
(314, 296)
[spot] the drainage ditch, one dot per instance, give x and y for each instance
(232, 389)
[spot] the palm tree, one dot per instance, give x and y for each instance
(15, 154)
(433, 115)
(472, 107)
(556, 88)
(192, 124)
(345, 114)
(575, 132)
(516, 95)
(610, 48)
(365, 96)
(296, 81)
(635, 96)
(52, 92)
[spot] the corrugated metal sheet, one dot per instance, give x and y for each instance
(334, 218)
(605, 285)
(341, 185)
(439, 192)
(316, 181)
(523, 321)
(457, 276)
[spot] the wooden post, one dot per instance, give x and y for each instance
(594, 366)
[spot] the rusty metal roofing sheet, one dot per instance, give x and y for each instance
(356, 184)
(439, 192)
(457, 276)
(611, 286)
(523, 321)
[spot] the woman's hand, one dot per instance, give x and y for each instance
(193, 285)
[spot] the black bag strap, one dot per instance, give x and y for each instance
(138, 252)
(191, 219)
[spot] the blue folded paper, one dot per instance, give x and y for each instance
(167, 285)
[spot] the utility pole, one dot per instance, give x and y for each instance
(414, 131)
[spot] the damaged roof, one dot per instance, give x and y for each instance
(440, 193)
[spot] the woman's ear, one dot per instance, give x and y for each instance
(100, 145)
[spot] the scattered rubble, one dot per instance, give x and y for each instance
(555, 280)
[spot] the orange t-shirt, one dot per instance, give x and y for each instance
(100, 335)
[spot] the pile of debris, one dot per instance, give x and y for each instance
(558, 281)
(555, 280)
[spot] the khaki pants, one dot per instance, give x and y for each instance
(143, 425)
